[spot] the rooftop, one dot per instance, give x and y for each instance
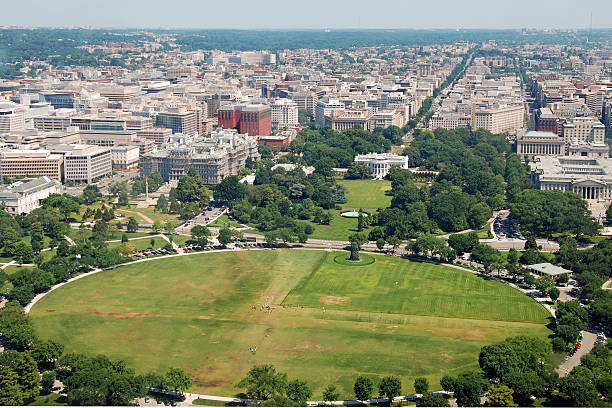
(548, 269)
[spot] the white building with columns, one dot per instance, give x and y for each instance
(380, 163)
(534, 143)
(591, 178)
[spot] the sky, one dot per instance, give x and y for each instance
(315, 14)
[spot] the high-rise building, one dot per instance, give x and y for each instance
(256, 120)
(508, 119)
(12, 118)
(284, 113)
(83, 163)
(584, 129)
(179, 120)
(325, 107)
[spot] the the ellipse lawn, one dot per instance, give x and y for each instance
(197, 312)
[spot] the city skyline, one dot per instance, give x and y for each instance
(274, 14)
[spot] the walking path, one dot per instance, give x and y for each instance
(13, 262)
(70, 241)
(141, 215)
(606, 285)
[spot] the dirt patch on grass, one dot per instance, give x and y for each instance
(447, 357)
(334, 300)
(192, 326)
(463, 334)
(113, 314)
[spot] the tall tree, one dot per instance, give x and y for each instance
(177, 380)
(10, 390)
(500, 396)
(132, 225)
(162, 204)
(421, 385)
(356, 241)
(363, 388)
(298, 391)
(390, 387)
(29, 378)
(262, 382)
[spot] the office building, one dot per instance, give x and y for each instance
(125, 157)
(12, 118)
(60, 99)
(83, 163)
(325, 107)
(178, 120)
(584, 129)
(284, 113)
(587, 177)
(23, 163)
(539, 143)
(252, 119)
(56, 121)
(221, 155)
(158, 135)
(348, 118)
(22, 197)
(505, 119)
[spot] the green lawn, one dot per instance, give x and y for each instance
(142, 243)
(48, 400)
(339, 229)
(224, 221)
(195, 312)
(367, 194)
(179, 239)
(74, 234)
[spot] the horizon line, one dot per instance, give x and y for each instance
(88, 27)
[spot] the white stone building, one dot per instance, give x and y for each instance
(23, 197)
(125, 157)
(284, 113)
(381, 163)
(84, 163)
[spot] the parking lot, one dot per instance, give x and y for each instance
(145, 253)
(504, 228)
(204, 218)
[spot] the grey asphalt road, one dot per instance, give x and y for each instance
(588, 342)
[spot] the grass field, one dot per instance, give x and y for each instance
(339, 229)
(142, 243)
(367, 194)
(224, 221)
(196, 312)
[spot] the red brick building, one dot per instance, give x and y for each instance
(546, 121)
(256, 120)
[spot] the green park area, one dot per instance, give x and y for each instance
(329, 322)
(338, 229)
(224, 221)
(367, 194)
